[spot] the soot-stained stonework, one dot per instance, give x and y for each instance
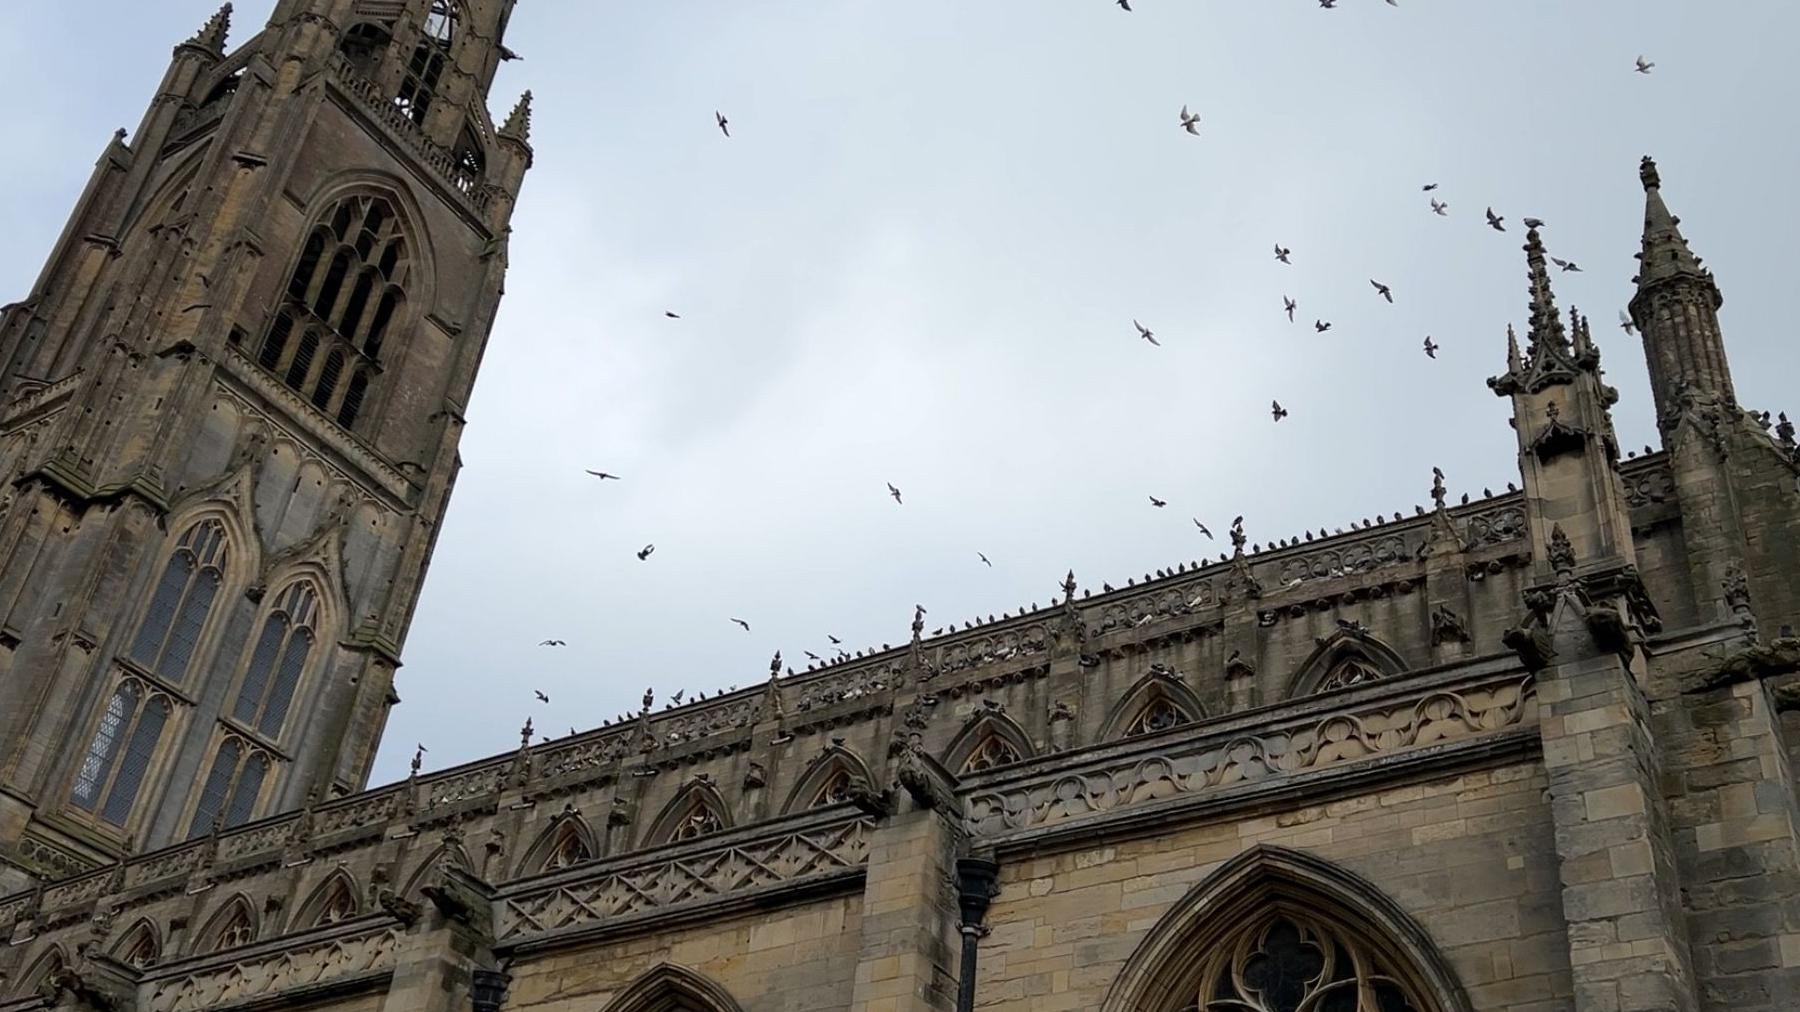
(1524, 754)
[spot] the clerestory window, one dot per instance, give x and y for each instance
(232, 787)
(278, 660)
(120, 751)
(170, 631)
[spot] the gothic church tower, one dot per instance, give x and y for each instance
(229, 416)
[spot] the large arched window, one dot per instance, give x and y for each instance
(232, 787)
(469, 162)
(364, 43)
(1274, 930)
(346, 292)
(430, 58)
(119, 754)
(183, 597)
(278, 660)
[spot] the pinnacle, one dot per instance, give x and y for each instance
(1546, 324)
(213, 34)
(518, 123)
(1665, 254)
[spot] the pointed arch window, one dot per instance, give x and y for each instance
(992, 751)
(469, 164)
(430, 58)
(363, 45)
(232, 787)
(119, 754)
(231, 928)
(693, 814)
(170, 631)
(278, 660)
(1349, 669)
(140, 949)
(333, 903)
(568, 850)
(347, 290)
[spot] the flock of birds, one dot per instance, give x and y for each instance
(1189, 122)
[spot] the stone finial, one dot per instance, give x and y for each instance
(1438, 492)
(1560, 553)
(1068, 584)
(1238, 538)
(525, 735)
(418, 761)
(518, 122)
(1665, 251)
(212, 35)
(1647, 173)
(649, 700)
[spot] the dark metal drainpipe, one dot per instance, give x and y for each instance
(489, 990)
(977, 883)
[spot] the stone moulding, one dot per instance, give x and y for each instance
(331, 966)
(1194, 767)
(594, 900)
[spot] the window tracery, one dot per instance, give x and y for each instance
(364, 43)
(278, 661)
(237, 928)
(1159, 714)
(119, 754)
(994, 750)
(569, 850)
(835, 790)
(346, 291)
(1286, 961)
(1348, 670)
(232, 787)
(700, 820)
(170, 631)
(339, 905)
(140, 950)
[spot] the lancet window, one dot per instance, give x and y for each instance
(119, 754)
(278, 660)
(1348, 670)
(170, 631)
(992, 751)
(1159, 714)
(232, 787)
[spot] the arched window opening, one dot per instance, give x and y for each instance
(992, 751)
(363, 45)
(171, 628)
(700, 821)
(695, 812)
(834, 791)
(1159, 714)
(344, 310)
(425, 69)
(232, 787)
(469, 168)
(332, 903)
(140, 949)
(278, 661)
(671, 988)
(119, 754)
(224, 89)
(568, 851)
(232, 927)
(1350, 669)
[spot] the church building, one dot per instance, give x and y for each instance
(1529, 753)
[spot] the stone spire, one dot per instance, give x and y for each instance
(1666, 254)
(212, 35)
(1676, 310)
(518, 122)
(1549, 357)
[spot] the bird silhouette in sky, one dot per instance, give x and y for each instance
(1643, 65)
(1567, 265)
(1439, 208)
(1145, 333)
(1282, 252)
(1290, 305)
(984, 559)
(645, 552)
(895, 493)
(542, 698)
(1431, 347)
(1277, 410)
(1203, 530)
(1321, 326)
(1495, 221)
(553, 643)
(1190, 121)
(724, 124)
(1158, 503)
(741, 622)
(603, 476)
(1386, 292)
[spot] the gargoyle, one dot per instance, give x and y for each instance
(930, 784)
(1760, 661)
(398, 907)
(864, 795)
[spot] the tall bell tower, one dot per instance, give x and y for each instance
(230, 408)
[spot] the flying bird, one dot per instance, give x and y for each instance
(1124, 5)
(894, 492)
(1643, 65)
(834, 640)
(1431, 347)
(1567, 265)
(671, 315)
(603, 476)
(1277, 410)
(1626, 324)
(1190, 121)
(984, 559)
(1321, 326)
(1328, 4)
(1281, 253)
(1158, 503)
(1494, 221)
(542, 698)
(1428, 187)
(1145, 333)
(1386, 292)
(1203, 530)
(1533, 222)
(724, 124)
(741, 622)
(812, 656)
(553, 643)
(645, 552)
(1289, 305)
(1439, 208)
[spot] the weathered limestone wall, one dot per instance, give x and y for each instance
(1470, 856)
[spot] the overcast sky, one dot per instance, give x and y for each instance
(918, 258)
